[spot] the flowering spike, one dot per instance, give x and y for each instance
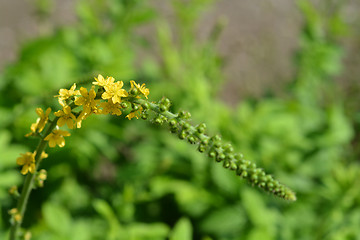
(110, 97)
(220, 152)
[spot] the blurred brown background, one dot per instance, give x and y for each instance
(258, 42)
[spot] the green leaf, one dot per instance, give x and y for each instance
(104, 209)
(224, 221)
(255, 208)
(152, 231)
(57, 218)
(182, 230)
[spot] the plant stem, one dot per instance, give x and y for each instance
(29, 182)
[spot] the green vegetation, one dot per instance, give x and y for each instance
(134, 180)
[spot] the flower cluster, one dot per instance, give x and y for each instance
(106, 96)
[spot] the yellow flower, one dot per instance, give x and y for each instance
(110, 107)
(115, 92)
(135, 114)
(65, 116)
(65, 94)
(27, 160)
(56, 137)
(40, 122)
(102, 82)
(142, 89)
(87, 100)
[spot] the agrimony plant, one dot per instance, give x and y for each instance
(107, 96)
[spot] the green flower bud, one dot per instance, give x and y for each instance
(182, 134)
(252, 166)
(135, 107)
(162, 108)
(124, 104)
(191, 139)
(254, 178)
(263, 179)
(205, 141)
(184, 115)
(233, 166)
(166, 102)
(239, 156)
(240, 169)
(212, 154)
(187, 115)
(216, 138)
(134, 91)
(186, 126)
(144, 116)
(226, 164)
(201, 148)
(230, 156)
(244, 174)
(145, 106)
(217, 144)
(172, 122)
(229, 148)
(220, 157)
(158, 120)
(201, 128)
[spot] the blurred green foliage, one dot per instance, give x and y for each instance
(132, 180)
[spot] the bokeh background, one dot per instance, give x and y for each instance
(278, 79)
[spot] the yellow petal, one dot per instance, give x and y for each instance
(32, 168)
(59, 113)
(83, 91)
(73, 87)
(79, 100)
(61, 122)
(48, 111)
(69, 123)
(24, 170)
(105, 95)
(52, 143)
(39, 112)
(67, 110)
(60, 141)
(92, 93)
(20, 161)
